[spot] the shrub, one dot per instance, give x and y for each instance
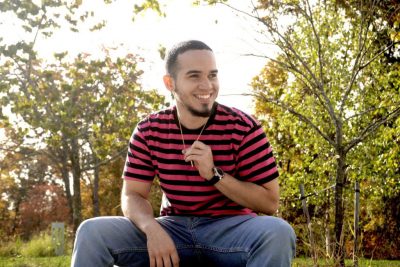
(10, 248)
(38, 246)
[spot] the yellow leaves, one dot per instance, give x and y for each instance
(394, 35)
(149, 5)
(78, 3)
(98, 26)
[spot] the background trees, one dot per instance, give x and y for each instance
(328, 97)
(76, 115)
(333, 74)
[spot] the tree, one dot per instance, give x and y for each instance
(57, 102)
(21, 171)
(332, 80)
(61, 102)
(44, 204)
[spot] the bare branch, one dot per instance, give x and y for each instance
(362, 51)
(104, 162)
(301, 76)
(317, 87)
(288, 66)
(368, 111)
(293, 112)
(378, 54)
(371, 128)
(316, 35)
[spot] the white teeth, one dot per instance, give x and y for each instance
(203, 96)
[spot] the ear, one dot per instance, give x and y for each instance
(169, 82)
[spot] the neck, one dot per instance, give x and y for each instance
(191, 122)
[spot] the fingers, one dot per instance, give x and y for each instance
(171, 261)
(152, 261)
(175, 259)
(202, 156)
(196, 149)
(199, 144)
(166, 261)
(161, 249)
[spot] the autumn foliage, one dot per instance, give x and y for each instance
(43, 205)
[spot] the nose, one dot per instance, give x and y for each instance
(205, 84)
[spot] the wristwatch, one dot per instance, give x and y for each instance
(218, 175)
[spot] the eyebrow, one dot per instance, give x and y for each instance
(197, 72)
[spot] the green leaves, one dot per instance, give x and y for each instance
(148, 5)
(330, 100)
(83, 110)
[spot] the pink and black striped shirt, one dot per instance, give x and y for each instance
(239, 146)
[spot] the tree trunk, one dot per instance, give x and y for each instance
(76, 175)
(16, 217)
(65, 176)
(327, 230)
(339, 209)
(96, 207)
(63, 153)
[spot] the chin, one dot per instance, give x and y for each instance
(201, 113)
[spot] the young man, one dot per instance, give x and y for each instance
(216, 169)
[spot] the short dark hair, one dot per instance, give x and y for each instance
(180, 48)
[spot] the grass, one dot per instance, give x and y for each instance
(61, 261)
(38, 246)
(307, 262)
(37, 252)
(65, 261)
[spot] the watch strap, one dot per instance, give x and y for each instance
(218, 175)
(215, 179)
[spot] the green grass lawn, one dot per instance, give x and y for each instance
(64, 261)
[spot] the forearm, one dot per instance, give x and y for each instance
(160, 246)
(139, 210)
(261, 198)
(249, 195)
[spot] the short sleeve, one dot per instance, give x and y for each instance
(138, 163)
(256, 162)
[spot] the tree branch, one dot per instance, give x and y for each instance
(103, 162)
(371, 128)
(321, 61)
(293, 69)
(293, 112)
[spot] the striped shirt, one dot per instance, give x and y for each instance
(239, 146)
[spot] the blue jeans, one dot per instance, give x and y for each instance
(200, 241)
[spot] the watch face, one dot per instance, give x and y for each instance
(218, 172)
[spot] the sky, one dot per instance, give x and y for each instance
(228, 33)
(230, 36)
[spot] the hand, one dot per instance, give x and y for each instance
(202, 156)
(161, 248)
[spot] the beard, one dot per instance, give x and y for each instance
(204, 112)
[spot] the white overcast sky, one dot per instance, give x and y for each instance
(230, 36)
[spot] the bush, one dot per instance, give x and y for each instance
(10, 249)
(38, 246)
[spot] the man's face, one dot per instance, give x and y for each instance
(196, 83)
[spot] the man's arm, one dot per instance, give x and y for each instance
(261, 198)
(136, 207)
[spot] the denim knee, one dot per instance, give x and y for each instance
(285, 231)
(88, 228)
(279, 232)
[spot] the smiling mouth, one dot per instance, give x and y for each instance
(203, 97)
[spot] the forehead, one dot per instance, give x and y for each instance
(200, 60)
